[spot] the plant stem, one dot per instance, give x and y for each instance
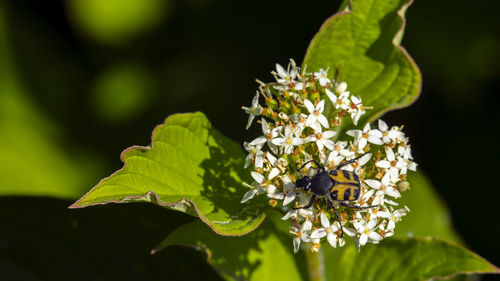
(316, 265)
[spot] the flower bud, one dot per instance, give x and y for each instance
(341, 87)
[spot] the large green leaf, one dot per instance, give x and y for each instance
(363, 41)
(190, 167)
(265, 254)
(407, 259)
(428, 215)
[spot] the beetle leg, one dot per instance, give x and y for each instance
(350, 161)
(321, 168)
(356, 207)
(308, 204)
(338, 219)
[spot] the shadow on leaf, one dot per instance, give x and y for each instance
(223, 175)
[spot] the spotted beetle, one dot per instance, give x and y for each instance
(336, 185)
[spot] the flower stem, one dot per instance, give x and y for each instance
(316, 265)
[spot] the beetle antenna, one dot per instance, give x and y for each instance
(314, 161)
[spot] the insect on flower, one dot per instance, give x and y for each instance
(354, 172)
(336, 185)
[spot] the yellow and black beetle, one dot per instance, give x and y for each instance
(337, 185)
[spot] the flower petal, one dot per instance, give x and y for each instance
(322, 119)
(383, 164)
(290, 196)
(375, 236)
(318, 233)
(281, 71)
(332, 239)
(321, 106)
(362, 239)
(309, 105)
(328, 134)
(257, 177)
(274, 172)
(248, 195)
(296, 244)
(324, 220)
(373, 183)
(382, 126)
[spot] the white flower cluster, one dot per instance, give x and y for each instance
(301, 121)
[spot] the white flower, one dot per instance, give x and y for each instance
(300, 214)
(255, 188)
(341, 148)
(321, 75)
(354, 148)
(288, 140)
(386, 232)
(322, 139)
(384, 186)
(394, 217)
(254, 110)
(340, 102)
(281, 164)
(288, 76)
(334, 158)
(301, 234)
(254, 153)
(260, 185)
(274, 193)
(299, 120)
(328, 230)
(289, 131)
(289, 188)
(405, 152)
(269, 135)
(356, 110)
(391, 164)
(366, 232)
(315, 118)
(388, 136)
(366, 135)
(357, 166)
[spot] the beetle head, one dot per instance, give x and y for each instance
(304, 183)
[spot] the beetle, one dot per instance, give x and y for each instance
(336, 185)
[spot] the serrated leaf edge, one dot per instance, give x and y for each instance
(150, 193)
(495, 269)
(397, 37)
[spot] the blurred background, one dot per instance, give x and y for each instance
(81, 80)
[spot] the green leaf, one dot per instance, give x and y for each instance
(408, 259)
(428, 215)
(189, 167)
(264, 254)
(362, 41)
